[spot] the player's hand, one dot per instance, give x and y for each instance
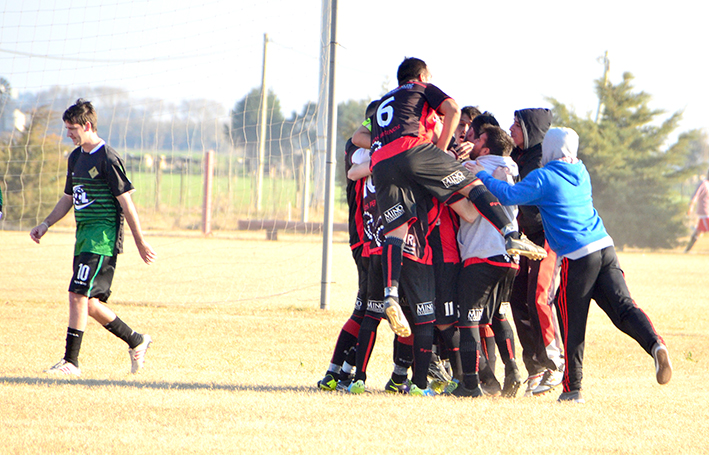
(38, 232)
(147, 254)
(463, 150)
(501, 173)
(473, 167)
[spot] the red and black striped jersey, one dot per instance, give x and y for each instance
(443, 237)
(404, 118)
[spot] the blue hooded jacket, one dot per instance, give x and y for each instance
(562, 191)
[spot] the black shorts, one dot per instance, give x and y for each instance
(482, 287)
(417, 290)
(375, 288)
(362, 274)
(446, 275)
(425, 166)
(93, 275)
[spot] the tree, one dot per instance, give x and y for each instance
(635, 177)
(244, 129)
(350, 116)
(33, 170)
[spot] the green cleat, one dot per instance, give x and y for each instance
(328, 383)
(356, 387)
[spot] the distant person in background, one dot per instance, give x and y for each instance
(701, 199)
(99, 191)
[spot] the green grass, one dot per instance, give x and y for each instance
(180, 200)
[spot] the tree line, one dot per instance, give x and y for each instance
(640, 180)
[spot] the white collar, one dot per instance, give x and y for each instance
(95, 149)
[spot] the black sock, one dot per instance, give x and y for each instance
(403, 358)
(471, 381)
(73, 345)
(423, 342)
(125, 333)
(491, 209)
(392, 256)
(470, 350)
(451, 340)
(365, 344)
(487, 341)
(505, 339)
(346, 341)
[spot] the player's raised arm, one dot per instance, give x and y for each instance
(451, 116)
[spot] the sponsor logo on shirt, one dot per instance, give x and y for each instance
(81, 200)
(394, 213)
(453, 179)
(424, 309)
(475, 314)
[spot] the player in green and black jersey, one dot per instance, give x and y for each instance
(99, 191)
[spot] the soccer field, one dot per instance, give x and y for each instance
(240, 341)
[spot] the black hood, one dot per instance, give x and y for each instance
(535, 123)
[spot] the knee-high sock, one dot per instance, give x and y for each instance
(487, 341)
(423, 342)
(73, 345)
(125, 333)
(345, 345)
(504, 338)
(403, 358)
(365, 344)
(451, 340)
(470, 355)
(491, 209)
(392, 256)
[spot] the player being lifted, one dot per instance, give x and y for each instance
(98, 189)
(403, 155)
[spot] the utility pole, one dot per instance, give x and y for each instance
(329, 199)
(606, 70)
(322, 114)
(262, 130)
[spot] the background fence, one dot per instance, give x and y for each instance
(162, 134)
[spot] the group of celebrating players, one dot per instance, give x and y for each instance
(453, 223)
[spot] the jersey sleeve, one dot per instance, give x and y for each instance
(434, 96)
(116, 177)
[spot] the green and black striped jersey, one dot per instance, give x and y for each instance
(94, 180)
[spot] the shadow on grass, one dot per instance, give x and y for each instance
(153, 385)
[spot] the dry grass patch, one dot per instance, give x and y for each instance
(240, 343)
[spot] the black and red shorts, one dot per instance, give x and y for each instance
(417, 290)
(362, 263)
(482, 287)
(375, 288)
(424, 166)
(446, 276)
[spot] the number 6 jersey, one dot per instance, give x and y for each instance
(405, 118)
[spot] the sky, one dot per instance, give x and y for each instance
(500, 56)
